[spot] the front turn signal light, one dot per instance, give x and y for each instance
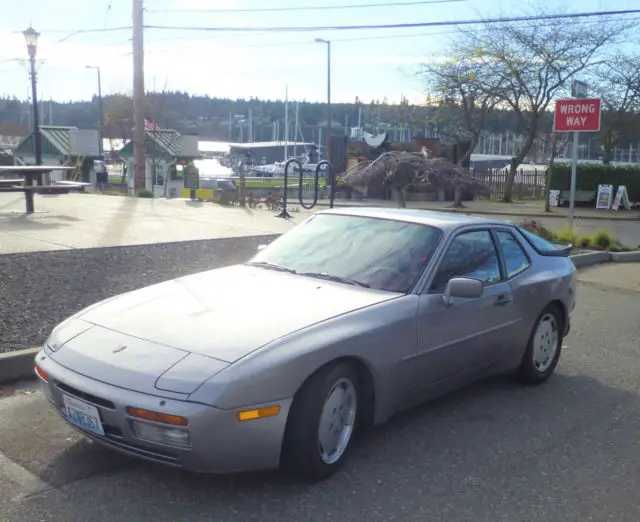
(155, 416)
(44, 376)
(258, 413)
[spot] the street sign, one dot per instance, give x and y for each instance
(579, 89)
(577, 115)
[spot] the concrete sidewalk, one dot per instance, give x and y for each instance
(89, 220)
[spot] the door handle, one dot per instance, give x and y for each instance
(502, 300)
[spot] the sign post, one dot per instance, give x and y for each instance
(576, 115)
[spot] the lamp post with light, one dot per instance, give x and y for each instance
(100, 110)
(328, 43)
(31, 37)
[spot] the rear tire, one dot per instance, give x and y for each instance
(322, 423)
(544, 347)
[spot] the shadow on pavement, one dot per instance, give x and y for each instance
(496, 425)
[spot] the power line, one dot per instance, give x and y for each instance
(333, 40)
(305, 8)
(348, 39)
(284, 29)
(82, 31)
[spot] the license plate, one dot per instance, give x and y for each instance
(83, 415)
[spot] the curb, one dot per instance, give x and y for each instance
(596, 258)
(18, 365)
(550, 215)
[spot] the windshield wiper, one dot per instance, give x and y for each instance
(337, 279)
(272, 266)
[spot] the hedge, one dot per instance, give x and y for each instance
(588, 177)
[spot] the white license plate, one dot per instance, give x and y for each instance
(83, 415)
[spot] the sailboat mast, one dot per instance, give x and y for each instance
(286, 123)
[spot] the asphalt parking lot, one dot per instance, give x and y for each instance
(565, 451)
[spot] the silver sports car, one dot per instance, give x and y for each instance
(352, 316)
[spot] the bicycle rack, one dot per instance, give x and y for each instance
(284, 213)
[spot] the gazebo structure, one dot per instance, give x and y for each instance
(66, 146)
(165, 150)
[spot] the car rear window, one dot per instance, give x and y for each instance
(541, 245)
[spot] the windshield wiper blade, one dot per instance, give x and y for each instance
(337, 279)
(272, 266)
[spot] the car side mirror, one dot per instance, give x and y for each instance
(463, 287)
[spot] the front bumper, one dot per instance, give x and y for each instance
(219, 442)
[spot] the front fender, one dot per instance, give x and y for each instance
(377, 336)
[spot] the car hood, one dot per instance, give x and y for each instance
(229, 312)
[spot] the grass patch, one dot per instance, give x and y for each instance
(274, 183)
(602, 240)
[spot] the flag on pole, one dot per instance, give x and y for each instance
(150, 125)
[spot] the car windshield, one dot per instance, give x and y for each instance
(376, 253)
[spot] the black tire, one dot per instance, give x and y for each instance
(528, 373)
(301, 450)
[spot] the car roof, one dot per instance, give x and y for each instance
(442, 220)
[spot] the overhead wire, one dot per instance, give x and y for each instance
(508, 19)
(307, 8)
(346, 40)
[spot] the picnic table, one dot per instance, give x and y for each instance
(23, 177)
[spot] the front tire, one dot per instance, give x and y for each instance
(322, 423)
(544, 347)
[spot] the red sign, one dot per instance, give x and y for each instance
(577, 114)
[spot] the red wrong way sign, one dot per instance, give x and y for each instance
(577, 115)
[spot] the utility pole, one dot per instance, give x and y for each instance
(139, 170)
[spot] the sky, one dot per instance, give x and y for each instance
(370, 64)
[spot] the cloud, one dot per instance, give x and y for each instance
(202, 63)
(197, 5)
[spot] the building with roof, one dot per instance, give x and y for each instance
(165, 149)
(68, 146)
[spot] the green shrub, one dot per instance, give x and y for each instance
(604, 239)
(144, 193)
(590, 176)
(567, 236)
(584, 242)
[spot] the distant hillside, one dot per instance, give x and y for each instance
(209, 117)
(228, 120)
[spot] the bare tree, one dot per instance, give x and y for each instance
(465, 100)
(118, 116)
(535, 62)
(399, 170)
(617, 82)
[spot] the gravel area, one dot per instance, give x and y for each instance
(40, 289)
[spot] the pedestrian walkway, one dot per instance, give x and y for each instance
(93, 220)
(90, 220)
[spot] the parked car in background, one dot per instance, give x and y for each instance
(347, 319)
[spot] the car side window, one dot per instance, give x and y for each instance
(470, 254)
(515, 258)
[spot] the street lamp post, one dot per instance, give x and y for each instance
(100, 110)
(31, 37)
(328, 43)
